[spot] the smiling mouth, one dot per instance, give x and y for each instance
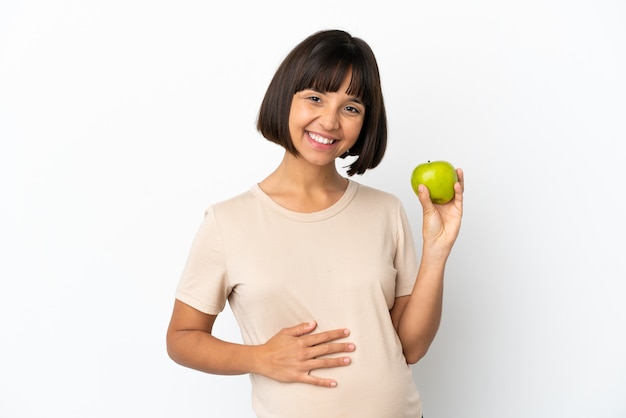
(321, 139)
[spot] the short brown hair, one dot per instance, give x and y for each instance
(321, 62)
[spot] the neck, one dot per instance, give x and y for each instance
(304, 187)
(298, 173)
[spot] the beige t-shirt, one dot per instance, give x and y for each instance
(342, 266)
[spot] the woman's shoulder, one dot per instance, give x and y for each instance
(373, 194)
(233, 204)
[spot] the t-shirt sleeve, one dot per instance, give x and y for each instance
(405, 261)
(204, 281)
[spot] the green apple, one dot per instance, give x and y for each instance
(439, 177)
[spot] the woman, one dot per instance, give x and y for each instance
(320, 271)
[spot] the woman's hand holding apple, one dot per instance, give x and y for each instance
(441, 222)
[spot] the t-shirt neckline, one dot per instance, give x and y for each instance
(330, 211)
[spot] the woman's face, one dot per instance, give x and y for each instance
(324, 126)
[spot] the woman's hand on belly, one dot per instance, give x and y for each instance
(291, 355)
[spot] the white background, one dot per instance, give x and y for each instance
(120, 121)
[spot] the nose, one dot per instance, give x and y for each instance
(329, 119)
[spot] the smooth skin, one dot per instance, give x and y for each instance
(323, 126)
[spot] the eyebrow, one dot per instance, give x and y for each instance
(355, 99)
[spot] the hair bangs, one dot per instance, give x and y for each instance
(330, 71)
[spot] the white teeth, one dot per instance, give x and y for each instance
(321, 139)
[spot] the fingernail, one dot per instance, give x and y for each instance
(332, 384)
(346, 332)
(351, 347)
(346, 360)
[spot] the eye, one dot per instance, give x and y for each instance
(315, 99)
(353, 109)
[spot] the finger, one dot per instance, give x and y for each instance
(318, 381)
(326, 336)
(325, 364)
(331, 348)
(300, 329)
(461, 178)
(423, 195)
(459, 188)
(458, 192)
(328, 363)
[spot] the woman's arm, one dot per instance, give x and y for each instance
(417, 316)
(289, 356)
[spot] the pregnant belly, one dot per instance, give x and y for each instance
(382, 388)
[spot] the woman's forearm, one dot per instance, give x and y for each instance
(202, 351)
(420, 319)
